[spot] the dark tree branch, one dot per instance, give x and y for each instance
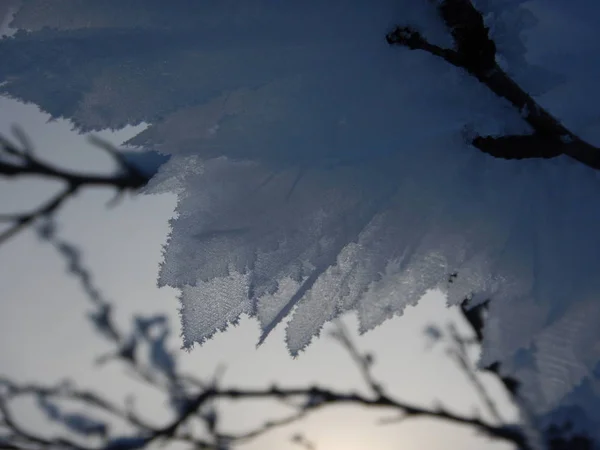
(475, 317)
(520, 146)
(475, 52)
(21, 221)
(363, 362)
(460, 355)
(315, 398)
(29, 165)
(195, 400)
(471, 36)
(329, 397)
(25, 439)
(21, 161)
(64, 391)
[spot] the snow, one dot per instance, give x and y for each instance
(320, 171)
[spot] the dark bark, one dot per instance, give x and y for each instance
(475, 52)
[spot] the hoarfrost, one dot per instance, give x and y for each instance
(321, 171)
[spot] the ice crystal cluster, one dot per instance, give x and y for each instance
(320, 170)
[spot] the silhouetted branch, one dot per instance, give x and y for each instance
(460, 355)
(21, 161)
(21, 221)
(329, 397)
(65, 391)
(23, 439)
(475, 52)
(192, 399)
(363, 362)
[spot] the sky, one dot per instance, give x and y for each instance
(45, 337)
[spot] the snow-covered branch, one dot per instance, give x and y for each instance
(475, 52)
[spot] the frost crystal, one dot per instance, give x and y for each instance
(321, 171)
(335, 185)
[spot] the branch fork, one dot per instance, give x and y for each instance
(475, 52)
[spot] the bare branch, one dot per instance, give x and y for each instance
(65, 391)
(475, 52)
(195, 399)
(29, 438)
(21, 162)
(363, 362)
(21, 221)
(460, 355)
(330, 397)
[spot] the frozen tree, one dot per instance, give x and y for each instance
(353, 155)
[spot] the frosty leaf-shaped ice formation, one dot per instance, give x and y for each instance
(320, 170)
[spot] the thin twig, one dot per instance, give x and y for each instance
(21, 221)
(460, 355)
(20, 161)
(363, 362)
(328, 397)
